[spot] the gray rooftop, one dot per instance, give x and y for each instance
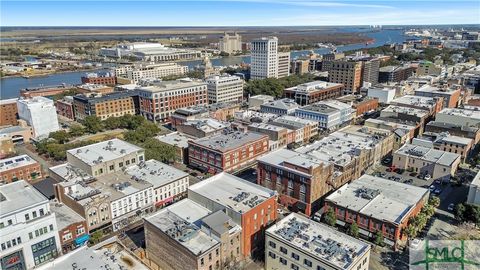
(172, 85)
(282, 104)
(17, 196)
(220, 223)
(12, 129)
(422, 102)
(322, 242)
(232, 192)
(313, 86)
(229, 140)
(175, 139)
(326, 107)
(474, 114)
(155, 172)
(118, 185)
(104, 151)
(282, 157)
(379, 198)
(183, 231)
(428, 154)
(15, 162)
(64, 215)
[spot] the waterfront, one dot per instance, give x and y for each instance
(10, 87)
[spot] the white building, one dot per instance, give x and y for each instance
(474, 191)
(40, 113)
(28, 229)
(256, 101)
(283, 64)
(155, 52)
(137, 72)
(384, 95)
(264, 58)
(169, 184)
(225, 88)
(329, 113)
(296, 242)
(230, 44)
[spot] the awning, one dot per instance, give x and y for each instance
(82, 239)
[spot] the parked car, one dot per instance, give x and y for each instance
(409, 181)
(451, 207)
(427, 177)
(383, 174)
(437, 191)
(438, 182)
(432, 188)
(386, 160)
(415, 244)
(399, 171)
(280, 211)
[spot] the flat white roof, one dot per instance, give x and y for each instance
(320, 241)
(156, 173)
(379, 198)
(17, 196)
(104, 151)
(475, 114)
(175, 139)
(232, 192)
(428, 154)
(16, 162)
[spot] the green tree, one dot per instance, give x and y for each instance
(434, 201)
(460, 212)
(112, 123)
(142, 133)
(60, 136)
(411, 231)
(353, 229)
(330, 217)
(379, 238)
(97, 236)
(76, 130)
(428, 210)
(92, 124)
(154, 149)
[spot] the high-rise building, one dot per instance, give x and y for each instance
(264, 58)
(28, 227)
(370, 69)
(230, 44)
(283, 64)
(40, 113)
(225, 88)
(159, 101)
(8, 112)
(348, 73)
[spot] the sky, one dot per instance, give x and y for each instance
(237, 13)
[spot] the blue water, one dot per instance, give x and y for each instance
(10, 87)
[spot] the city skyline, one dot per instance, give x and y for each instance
(237, 13)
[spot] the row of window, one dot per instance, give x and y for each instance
(40, 231)
(11, 243)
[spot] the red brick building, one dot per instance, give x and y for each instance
(361, 105)
(308, 93)
(8, 112)
(299, 179)
(251, 206)
(72, 228)
(226, 152)
(378, 204)
(19, 168)
(65, 107)
(94, 78)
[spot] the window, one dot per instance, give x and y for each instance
(320, 268)
(30, 235)
(272, 255)
(283, 250)
(202, 262)
(283, 261)
(272, 244)
(294, 267)
(27, 217)
(295, 256)
(111, 167)
(41, 212)
(307, 263)
(51, 227)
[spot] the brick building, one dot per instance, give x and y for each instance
(104, 106)
(360, 105)
(102, 79)
(72, 228)
(159, 101)
(451, 97)
(8, 112)
(19, 168)
(378, 204)
(348, 73)
(251, 206)
(226, 152)
(312, 92)
(65, 107)
(298, 178)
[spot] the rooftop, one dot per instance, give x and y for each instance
(326, 107)
(175, 139)
(15, 162)
(155, 172)
(405, 110)
(17, 196)
(35, 100)
(64, 215)
(220, 223)
(12, 129)
(284, 157)
(229, 140)
(232, 192)
(475, 114)
(183, 231)
(8, 101)
(379, 198)
(96, 153)
(313, 86)
(207, 125)
(284, 104)
(119, 184)
(172, 85)
(292, 122)
(436, 90)
(320, 241)
(428, 154)
(424, 102)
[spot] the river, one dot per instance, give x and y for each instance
(10, 87)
